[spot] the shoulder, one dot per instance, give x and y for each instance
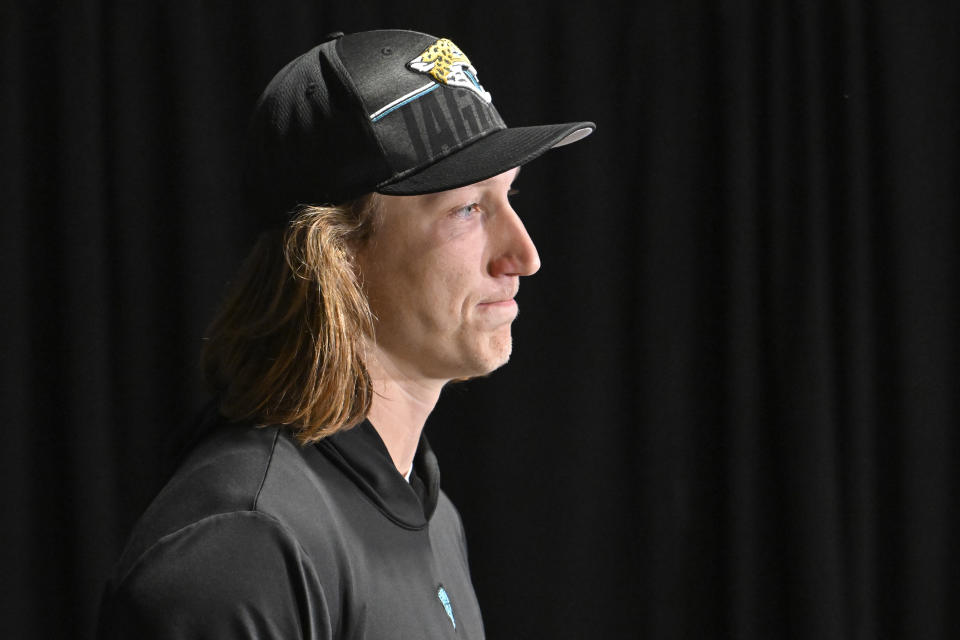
(215, 544)
(236, 469)
(242, 569)
(222, 474)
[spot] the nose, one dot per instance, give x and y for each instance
(515, 253)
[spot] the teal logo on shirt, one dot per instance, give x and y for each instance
(445, 601)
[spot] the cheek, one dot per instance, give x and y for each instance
(432, 282)
(442, 295)
(459, 277)
(419, 295)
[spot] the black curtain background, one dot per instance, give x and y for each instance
(732, 408)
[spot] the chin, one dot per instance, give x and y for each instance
(482, 364)
(480, 356)
(498, 355)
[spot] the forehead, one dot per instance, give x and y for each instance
(501, 181)
(401, 218)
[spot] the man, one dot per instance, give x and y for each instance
(312, 508)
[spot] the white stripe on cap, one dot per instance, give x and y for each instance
(402, 100)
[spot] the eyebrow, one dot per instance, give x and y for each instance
(430, 198)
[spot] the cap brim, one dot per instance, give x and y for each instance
(489, 156)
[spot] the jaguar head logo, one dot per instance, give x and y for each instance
(446, 63)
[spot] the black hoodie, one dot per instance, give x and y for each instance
(256, 536)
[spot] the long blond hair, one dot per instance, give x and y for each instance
(286, 346)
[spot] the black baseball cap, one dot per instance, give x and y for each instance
(395, 112)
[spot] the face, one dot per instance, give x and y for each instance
(441, 272)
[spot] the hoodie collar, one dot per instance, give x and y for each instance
(361, 454)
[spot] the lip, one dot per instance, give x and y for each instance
(509, 302)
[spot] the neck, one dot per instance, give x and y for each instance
(399, 408)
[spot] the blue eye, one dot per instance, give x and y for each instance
(467, 210)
